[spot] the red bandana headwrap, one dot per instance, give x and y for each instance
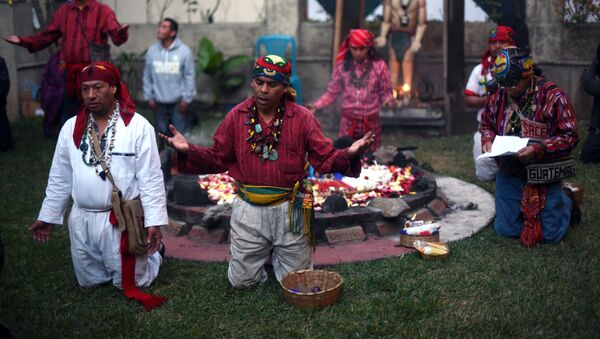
(502, 34)
(356, 38)
(107, 72)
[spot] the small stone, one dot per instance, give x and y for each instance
(334, 203)
(187, 191)
(214, 214)
(390, 207)
(385, 154)
(437, 206)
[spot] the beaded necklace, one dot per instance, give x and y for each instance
(524, 111)
(360, 82)
(263, 144)
(92, 159)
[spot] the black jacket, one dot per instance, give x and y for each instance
(591, 84)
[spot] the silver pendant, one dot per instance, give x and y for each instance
(404, 20)
(273, 155)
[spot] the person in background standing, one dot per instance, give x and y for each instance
(6, 140)
(84, 26)
(170, 79)
(480, 86)
(53, 94)
(590, 153)
(363, 80)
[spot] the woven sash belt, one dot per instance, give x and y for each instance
(546, 172)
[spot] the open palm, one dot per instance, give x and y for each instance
(361, 145)
(177, 142)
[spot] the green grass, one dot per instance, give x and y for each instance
(490, 286)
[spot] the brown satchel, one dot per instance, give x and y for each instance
(129, 213)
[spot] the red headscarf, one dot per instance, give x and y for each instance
(502, 34)
(498, 34)
(107, 72)
(356, 38)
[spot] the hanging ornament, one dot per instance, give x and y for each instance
(263, 141)
(273, 155)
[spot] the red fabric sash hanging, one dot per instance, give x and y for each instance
(130, 290)
(533, 202)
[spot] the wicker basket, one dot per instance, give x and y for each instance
(436, 256)
(300, 288)
(408, 240)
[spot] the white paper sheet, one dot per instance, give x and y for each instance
(505, 145)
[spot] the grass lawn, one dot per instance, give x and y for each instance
(489, 287)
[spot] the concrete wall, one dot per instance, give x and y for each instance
(229, 11)
(563, 51)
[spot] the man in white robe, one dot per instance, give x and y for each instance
(129, 148)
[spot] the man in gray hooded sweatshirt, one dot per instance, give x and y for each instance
(169, 78)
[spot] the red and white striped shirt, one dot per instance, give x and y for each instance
(78, 27)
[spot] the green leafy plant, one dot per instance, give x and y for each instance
(579, 11)
(223, 72)
(126, 62)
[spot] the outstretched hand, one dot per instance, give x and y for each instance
(177, 142)
(41, 230)
(13, 39)
(361, 145)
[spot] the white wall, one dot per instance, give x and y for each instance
(229, 11)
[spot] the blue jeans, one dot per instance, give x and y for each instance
(169, 114)
(555, 216)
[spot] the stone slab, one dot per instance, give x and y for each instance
(422, 214)
(386, 230)
(346, 235)
(201, 234)
(437, 206)
(178, 228)
(460, 224)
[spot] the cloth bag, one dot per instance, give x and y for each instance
(129, 213)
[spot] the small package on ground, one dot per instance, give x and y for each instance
(432, 250)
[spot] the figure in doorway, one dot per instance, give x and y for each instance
(404, 24)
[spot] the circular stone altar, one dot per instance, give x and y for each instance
(199, 230)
